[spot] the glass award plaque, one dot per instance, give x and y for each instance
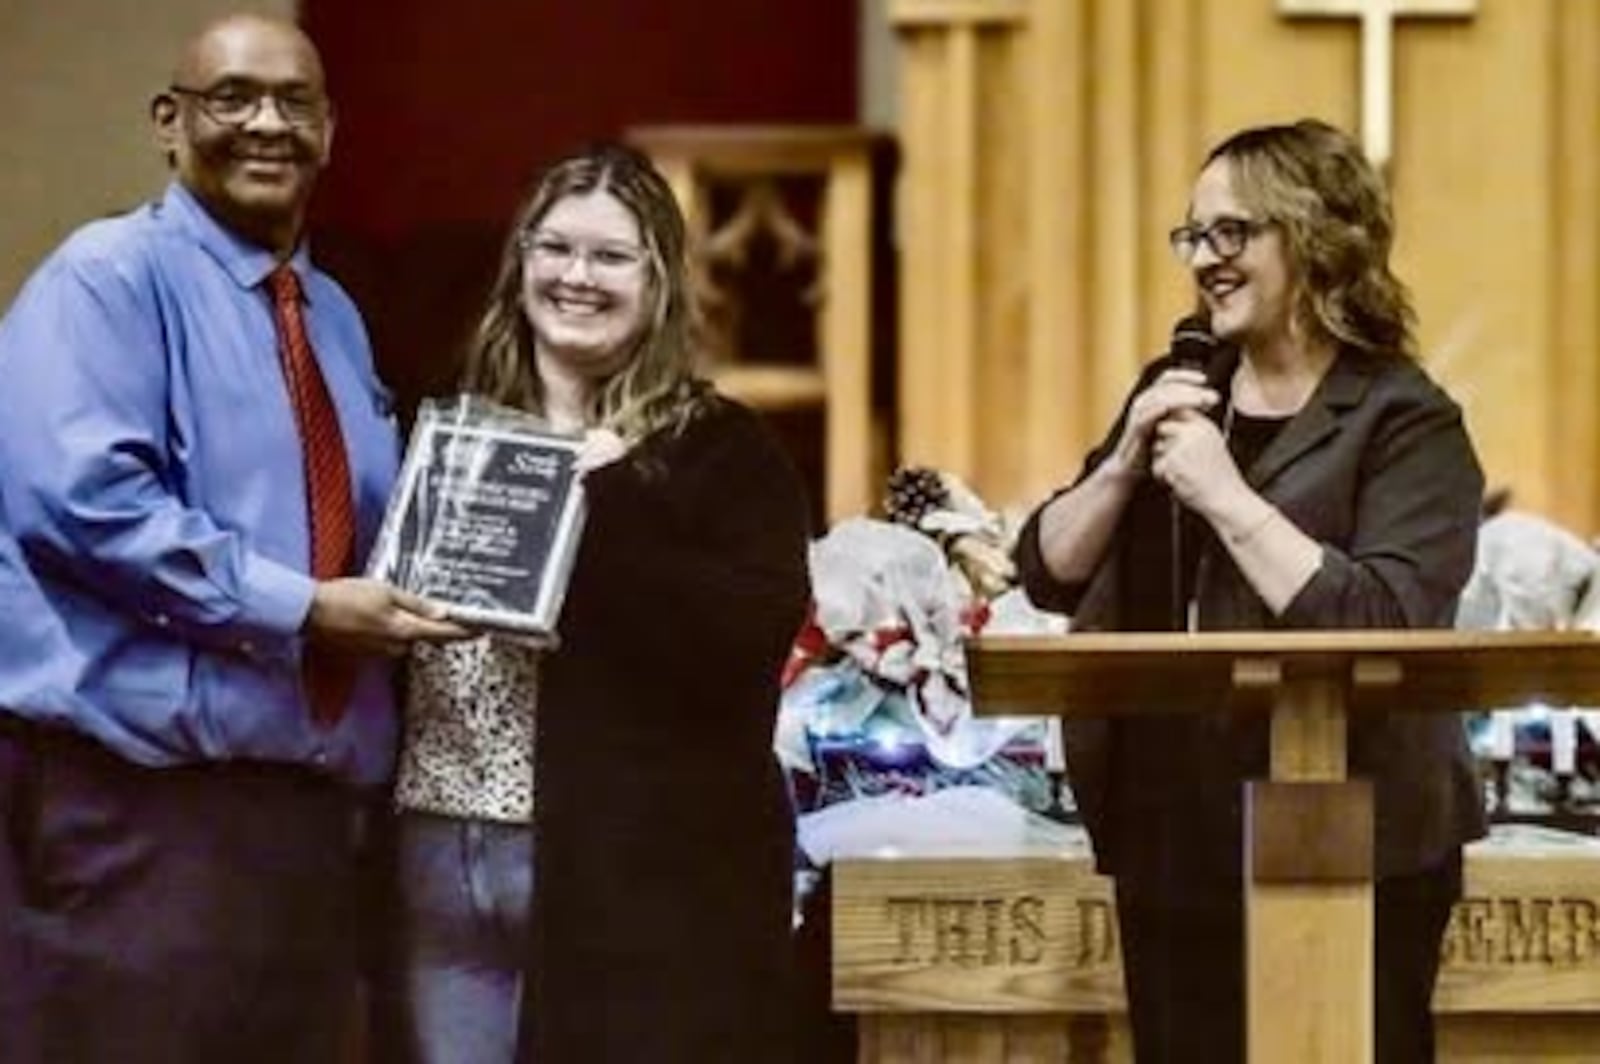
(485, 518)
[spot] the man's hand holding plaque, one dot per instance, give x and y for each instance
(486, 517)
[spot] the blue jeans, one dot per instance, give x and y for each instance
(465, 890)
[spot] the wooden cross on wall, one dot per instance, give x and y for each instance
(1377, 54)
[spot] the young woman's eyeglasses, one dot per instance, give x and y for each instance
(237, 103)
(1227, 237)
(554, 253)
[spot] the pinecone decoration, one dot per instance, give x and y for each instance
(912, 492)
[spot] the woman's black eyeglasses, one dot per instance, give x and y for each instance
(1226, 236)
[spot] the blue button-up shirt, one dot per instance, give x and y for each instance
(154, 544)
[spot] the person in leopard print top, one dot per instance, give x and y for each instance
(596, 843)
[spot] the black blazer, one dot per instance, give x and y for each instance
(1378, 468)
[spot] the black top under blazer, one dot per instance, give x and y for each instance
(1378, 468)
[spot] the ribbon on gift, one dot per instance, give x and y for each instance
(810, 647)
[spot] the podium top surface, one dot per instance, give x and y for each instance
(1101, 674)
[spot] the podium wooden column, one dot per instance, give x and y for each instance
(1309, 924)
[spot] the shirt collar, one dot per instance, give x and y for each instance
(248, 264)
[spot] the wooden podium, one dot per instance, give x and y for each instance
(1309, 918)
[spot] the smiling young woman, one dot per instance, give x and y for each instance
(639, 906)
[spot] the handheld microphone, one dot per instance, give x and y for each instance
(1193, 342)
(1192, 347)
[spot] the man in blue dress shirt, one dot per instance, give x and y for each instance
(180, 820)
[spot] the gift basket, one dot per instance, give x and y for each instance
(1541, 763)
(876, 731)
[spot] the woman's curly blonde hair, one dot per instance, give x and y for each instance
(1314, 182)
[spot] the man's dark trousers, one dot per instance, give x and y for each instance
(192, 914)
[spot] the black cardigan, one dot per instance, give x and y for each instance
(664, 837)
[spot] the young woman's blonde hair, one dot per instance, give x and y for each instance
(656, 387)
(1314, 182)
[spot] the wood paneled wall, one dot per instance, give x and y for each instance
(1049, 144)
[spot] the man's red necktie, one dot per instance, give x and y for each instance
(329, 505)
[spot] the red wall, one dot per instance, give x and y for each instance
(446, 109)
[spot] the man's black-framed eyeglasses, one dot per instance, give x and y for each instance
(1227, 236)
(235, 103)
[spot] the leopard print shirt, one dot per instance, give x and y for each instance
(468, 747)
